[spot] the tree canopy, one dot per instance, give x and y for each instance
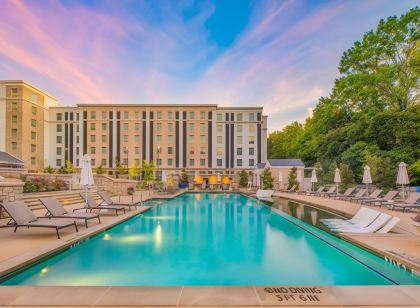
(373, 112)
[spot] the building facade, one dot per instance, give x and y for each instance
(205, 138)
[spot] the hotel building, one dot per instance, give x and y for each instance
(204, 138)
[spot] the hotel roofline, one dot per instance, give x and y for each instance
(24, 82)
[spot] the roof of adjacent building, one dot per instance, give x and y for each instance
(288, 162)
(9, 159)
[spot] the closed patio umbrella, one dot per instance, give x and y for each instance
(164, 178)
(219, 178)
(402, 177)
(367, 178)
(86, 175)
(280, 180)
(314, 178)
(337, 178)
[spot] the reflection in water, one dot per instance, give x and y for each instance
(300, 211)
(158, 236)
(314, 217)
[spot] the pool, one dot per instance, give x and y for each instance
(213, 239)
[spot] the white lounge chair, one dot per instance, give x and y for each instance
(389, 225)
(264, 193)
(378, 223)
(361, 219)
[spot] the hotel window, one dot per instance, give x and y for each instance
(77, 151)
(202, 115)
(126, 115)
(239, 116)
(14, 92)
(192, 115)
(192, 127)
(93, 162)
(220, 128)
(159, 138)
(33, 148)
(14, 119)
(170, 150)
(170, 138)
(59, 128)
(92, 126)
(170, 161)
(59, 150)
(219, 139)
(191, 162)
(34, 110)
(202, 150)
(103, 138)
(33, 135)
(136, 138)
(93, 115)
(239, 139)
(170, 127)
(77, 128)
(238, 151)
(77, 162)
(219, 151)
(170, 115)
(251, 117)
(202, 138)
(136, 150)
(251, 163)
(14, 145)
(219, 162)
(103, 161)
(220, 117)
(251, 139)
(59, 116)
(159, 162)
(239, 128)
(92, 138)
(92, 150)
(191, 138)
(103, 115)
(59, 139)
(252, 128)
(125, 138)
(159, 127)
(137, 115)
(125, 126)
(14, 132)
(202, 162)
(136, 126)
(77, 116)
(58, 162)
(202, 127)
(103, 126)
(103, 150)
(191, 151)
(251, 151)
(14, 106)
(239, 162)
(159, 115)
(125, 162)
(34, 97)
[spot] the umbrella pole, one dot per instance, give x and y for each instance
(403, 191)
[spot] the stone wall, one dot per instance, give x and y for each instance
(11, 190)
(116, 187)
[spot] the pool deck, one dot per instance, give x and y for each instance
(25, 246)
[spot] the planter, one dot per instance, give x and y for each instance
(182, 185)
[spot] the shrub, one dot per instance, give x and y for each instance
(49, 169)
(267, 179)
(243, 178)
(293, 178)
(184, 176)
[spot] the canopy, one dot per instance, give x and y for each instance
(213, 179)
(314, 178)
(198, 179)
(86, 175)
(337, 176)
(367, 179)
(226, 180)
(402, 177)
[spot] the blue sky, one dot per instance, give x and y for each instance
(281, 55)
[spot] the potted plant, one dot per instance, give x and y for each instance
(183, 183)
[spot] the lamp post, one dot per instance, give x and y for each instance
(126, 152)
(158, 151)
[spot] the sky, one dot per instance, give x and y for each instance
(281, 55)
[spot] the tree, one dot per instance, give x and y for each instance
(70, 167)
(267, 179)
(120, 169)
(382, 172)
(243, 178)
(293, 178)
(135, 171)
(184, 176)
(148, 169)
(100, 170)
(49, 169)
(347, 176)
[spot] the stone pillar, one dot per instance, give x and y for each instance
(11, 191)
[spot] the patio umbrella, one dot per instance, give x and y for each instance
(337, 178)
(402, 177)
(367, 179)
(280, 179)
(86, 175)
(164, 178)
(219, 178)
(314, 178)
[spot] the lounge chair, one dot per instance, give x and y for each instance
(409, 203)
(347, 193)
(319, 190)
(363, 217)
(107, 200)
(375, 194)
(389, 225)
(291, 190)
(262, 193)
(389, 196)
(328, 192)
(22, 216)
(377, 224)
(359, 194)
(91, 204)
(56, 210)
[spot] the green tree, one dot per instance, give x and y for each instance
(120, 168)
(100, 170)
(149, 168)
(267, 179)
(347, 176)
(293, 178)
(70, 167)
(135, 171)
(243, 178)
(382, 171)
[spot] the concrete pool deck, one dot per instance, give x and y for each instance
(26, 246)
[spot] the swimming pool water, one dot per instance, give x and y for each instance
(209, 239)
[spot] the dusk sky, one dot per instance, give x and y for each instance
(281, 55)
